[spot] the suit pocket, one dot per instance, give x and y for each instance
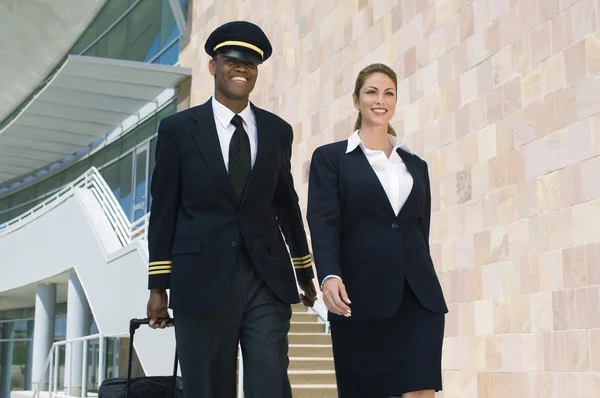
(187, 246)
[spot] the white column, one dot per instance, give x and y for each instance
(43, 332)
(7, 356)
(29, 356)
(78, 325)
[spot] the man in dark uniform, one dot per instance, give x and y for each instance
(222, 197)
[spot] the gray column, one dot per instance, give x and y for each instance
(78, 325)
(7, 356)
(43, 333)
(29, 355)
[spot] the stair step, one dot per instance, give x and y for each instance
(299, 308)
(309, 338)
(307, 327)
(304, 363)
(304, 317)
(314, 391)
(310, 350)
(311, 376)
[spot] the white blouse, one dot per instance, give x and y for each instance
(395, 179)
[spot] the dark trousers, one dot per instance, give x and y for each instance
(207, 343)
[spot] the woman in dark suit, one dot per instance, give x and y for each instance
(369, 205)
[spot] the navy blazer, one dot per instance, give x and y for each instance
(197, 224)
(356, 235)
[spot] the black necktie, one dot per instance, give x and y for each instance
(239, 157)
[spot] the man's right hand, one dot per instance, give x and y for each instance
(335, 297)
(157, 307)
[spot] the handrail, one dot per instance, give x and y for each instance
(92, 180)
(53, 359)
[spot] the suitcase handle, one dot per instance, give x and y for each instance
(134, 324)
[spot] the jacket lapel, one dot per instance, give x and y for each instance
(204, 131)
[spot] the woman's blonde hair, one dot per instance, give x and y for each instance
(360, 81)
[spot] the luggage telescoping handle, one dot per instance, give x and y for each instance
(134, 325)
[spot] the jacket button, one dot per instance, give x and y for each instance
(233, 243)
(394, 225)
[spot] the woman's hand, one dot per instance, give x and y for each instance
(335, 297)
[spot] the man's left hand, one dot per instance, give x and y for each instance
(309, 296)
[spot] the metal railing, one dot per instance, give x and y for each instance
(52, 367)
(125, 231)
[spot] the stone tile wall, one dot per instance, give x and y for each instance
(502, 98)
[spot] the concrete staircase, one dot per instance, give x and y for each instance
(311, 358)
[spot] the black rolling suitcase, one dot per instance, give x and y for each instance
(142, 387)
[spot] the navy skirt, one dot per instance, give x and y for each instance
(389, 357)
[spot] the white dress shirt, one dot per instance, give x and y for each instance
(225, 129)
(395, 179)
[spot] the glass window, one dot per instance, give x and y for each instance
(113, 45)
(143, 31)
(111, 176)
(168, 26)
(47, 185)
(86, 39)
(125, 189)
(112, 11)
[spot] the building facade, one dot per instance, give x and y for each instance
(500, 97)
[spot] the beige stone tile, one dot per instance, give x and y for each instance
(566, 107)
(503, 68)
(512, 353)
(410, 62)
(513, 384)
(485, 385)
(492, 39)
(575, 63)
(564, 310)
(521, 58)
(558, 351)
(592, 260)
(530, 275)
(480, 179)
(508, 33)
(562, 31)
(478, 114)
(465, 251)
(482, 247)
(498, 173)
(561, 225)
(588, 385)
(502, 314)
(587, 96)
(484, 319)
(520, 314)
(476, 352)
(594, 336)
(487, 142)
(585, 227)
(584, 19)
(493, 352)
(541, 312)
(508, 205)
(592, 47)
(532, 85)
(544, 382)
(518, 239)
(468, 86)
(551, 274)
(524, 131)
(505, 135)
(539, 233)
(511, 95)
(570, 186)
(498, 243)
(529, 15)
(587, 303)
(527, 198)
(574, 267)
(458, 286)
(543, 112)
(553, 74)
(466, 319)
(578, 351)
(466, 23)
(494, 105)
(541, 43)
(490, 210)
